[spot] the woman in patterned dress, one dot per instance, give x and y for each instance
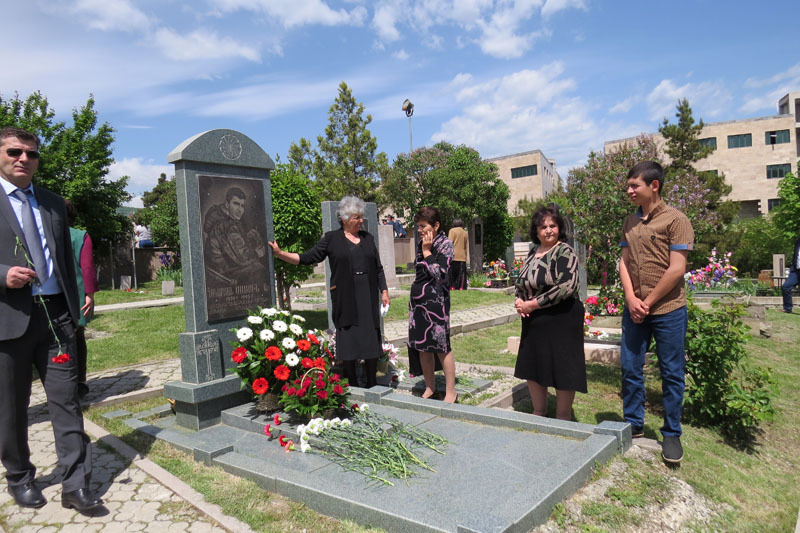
(551, 347)
(429, 304)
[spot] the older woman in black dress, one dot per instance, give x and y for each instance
(356, 280)
(551, 347)
(429, 305)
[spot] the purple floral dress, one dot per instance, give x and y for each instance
(429, 303)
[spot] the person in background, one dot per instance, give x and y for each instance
(791, 281)
(656, 240)
(357, 278)
(144, 239)
(38, 313)
(551, 345)
(458, 268)
(429, 306)
(399, 231)
(86, 274)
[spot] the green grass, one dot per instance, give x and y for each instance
(459, 300)
(150, 290)
(240, 498)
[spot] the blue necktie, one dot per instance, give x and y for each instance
(32, 236)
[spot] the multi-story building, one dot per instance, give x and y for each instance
(753, 154)
(527, 174)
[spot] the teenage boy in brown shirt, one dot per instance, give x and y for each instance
(655, 243)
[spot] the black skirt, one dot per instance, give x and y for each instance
(459, 280)
(551, 347)
(361, 340)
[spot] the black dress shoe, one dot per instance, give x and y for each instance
(27, 495)
(80, 500)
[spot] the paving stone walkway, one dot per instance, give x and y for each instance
(136, 500)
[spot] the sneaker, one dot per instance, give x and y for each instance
(637, 432)
(671, 450)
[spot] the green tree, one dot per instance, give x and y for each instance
(787, 213)
(459, 183)
(298, 224)
(753, 241)
(684, 149)
(160, 213)
(75, 161)
(346, 160)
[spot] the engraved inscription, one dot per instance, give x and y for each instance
(230, 147)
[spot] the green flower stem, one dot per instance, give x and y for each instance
(41, 301)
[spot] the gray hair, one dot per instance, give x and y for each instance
(348, 206)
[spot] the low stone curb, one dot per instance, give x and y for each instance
(191, 496)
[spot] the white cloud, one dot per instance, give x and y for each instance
(499, 34)
(782, 82)
(525, 110)
(385, 23)
(135, 201)
(111, 15)
(143, 173)
(554, 6)
(708, 99)
(297, 12)
(201, 44)
(624, 106)
(402, 55)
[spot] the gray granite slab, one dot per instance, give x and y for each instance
(501, 471)
(416, 384)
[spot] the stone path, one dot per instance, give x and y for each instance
(139, 495)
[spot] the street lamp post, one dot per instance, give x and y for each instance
(408, 107)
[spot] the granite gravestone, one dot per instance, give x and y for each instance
(330, 222)
(225, 219)
(386, 251)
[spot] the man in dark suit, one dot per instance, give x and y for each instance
(38, 313)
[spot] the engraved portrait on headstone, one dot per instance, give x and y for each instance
(234, 250)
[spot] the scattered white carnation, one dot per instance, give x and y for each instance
(294, 328)
(288, 343)
(279, 326)
(298, 318)
(292, 359)
(266, 335)
(244, 334)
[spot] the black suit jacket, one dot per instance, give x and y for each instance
(16, 304)
(333, 245)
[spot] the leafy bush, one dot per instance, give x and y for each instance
(721, 389)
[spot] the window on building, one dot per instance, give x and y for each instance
(740, 141)
(708, 142)
(524, 172)
(777, 137)
(778, 171)
(772, 203)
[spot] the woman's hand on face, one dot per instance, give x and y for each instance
(427, 241)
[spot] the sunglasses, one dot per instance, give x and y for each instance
(16, 152)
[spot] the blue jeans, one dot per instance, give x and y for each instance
(786, 289)
(669, 331)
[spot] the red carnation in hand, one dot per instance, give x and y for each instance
(61, 358)
(313, 338)
(337, 389)
(239, 355)
(322, 394)
(320, 384)
(273, 353)
(303, 345)
(282, 372)
(260, 386)
(306, 362)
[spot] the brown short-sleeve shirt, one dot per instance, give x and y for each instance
(649, 243)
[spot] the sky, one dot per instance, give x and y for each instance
(501, 76)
